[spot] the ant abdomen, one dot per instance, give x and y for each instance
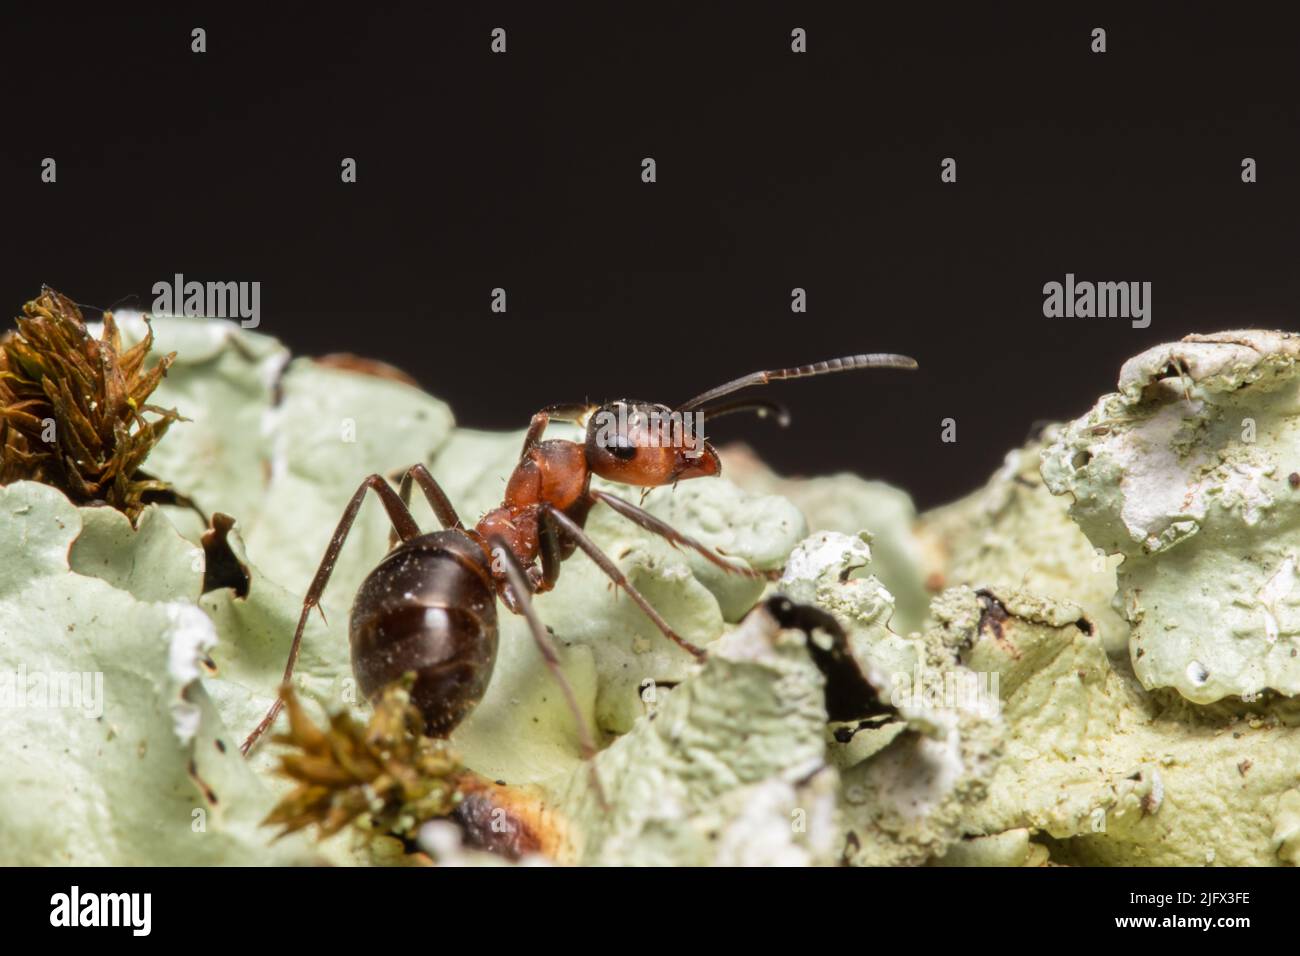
(429, 607)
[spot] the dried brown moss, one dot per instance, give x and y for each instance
(387, 775)
(72, 407)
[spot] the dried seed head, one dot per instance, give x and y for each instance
(72, 407)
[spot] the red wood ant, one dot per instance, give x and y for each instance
(430, 604)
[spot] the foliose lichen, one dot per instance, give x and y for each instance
(1002, 732)
(1189, 471)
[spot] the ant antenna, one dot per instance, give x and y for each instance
(845, 364)
(761, 408)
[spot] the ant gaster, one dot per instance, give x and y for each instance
(430, 605)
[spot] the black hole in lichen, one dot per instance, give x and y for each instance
(849, 695)
(221, 569)
(993, 615)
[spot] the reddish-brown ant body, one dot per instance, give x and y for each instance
(430, 604)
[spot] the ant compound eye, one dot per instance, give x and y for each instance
(615, 429)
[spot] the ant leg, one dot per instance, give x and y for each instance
(406, 529)
(576, 413)
(551, 553)
(442, 507)
(523, 600)
(433, 493)
(760, 407)
(534, 434)
(645, 519)
(572, 530)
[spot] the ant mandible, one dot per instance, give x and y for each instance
(430, 604)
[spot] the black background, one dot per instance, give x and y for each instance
(313, 909)
(775, 170)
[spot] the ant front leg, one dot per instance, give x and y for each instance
(573, 531)
(442, 507)
(406, 529)
(644, 519)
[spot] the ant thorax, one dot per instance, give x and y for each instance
(553, 472)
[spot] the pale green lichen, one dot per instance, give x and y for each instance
(849, 504)
(1008, 848)
(1286, 827)
(907, 786)
(128, 763)
(1186, 472)
(1008, 737)
(723, 769)
(1101, 770)
(1014, 533)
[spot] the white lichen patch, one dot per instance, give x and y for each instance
(825, 558)
(778, 823)
(913, 782)
(191, 637)
(1272, 595)
(1158, 481)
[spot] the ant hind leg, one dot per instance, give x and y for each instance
(442, 507)
(405, 528)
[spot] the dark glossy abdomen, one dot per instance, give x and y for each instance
(429, 607)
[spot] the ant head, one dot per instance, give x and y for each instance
(645, 444)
